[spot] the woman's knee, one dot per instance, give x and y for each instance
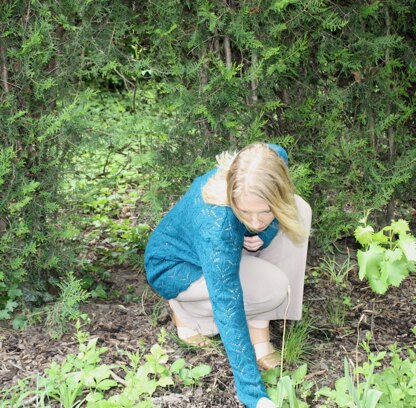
(265, 290)
(276, 293)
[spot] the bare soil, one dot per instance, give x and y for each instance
(121, 326)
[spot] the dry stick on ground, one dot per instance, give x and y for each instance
(356, 347)
(284, 331)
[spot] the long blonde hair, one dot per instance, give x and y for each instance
(257, 169)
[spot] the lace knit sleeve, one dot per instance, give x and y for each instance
(269, 233)
(220, 252)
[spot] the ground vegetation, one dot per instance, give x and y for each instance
(109, 109)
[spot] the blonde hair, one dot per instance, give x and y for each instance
(257, 169)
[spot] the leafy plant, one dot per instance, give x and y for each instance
(66, 308)
(395, 386)
(297, 344)
(190, 376)
(288, 389)
(13, 293)
(82, 380)
(347, 393)
(388, 256)
(336, 312)
(397, 382)
(336, 272)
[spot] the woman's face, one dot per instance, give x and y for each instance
(254, 211)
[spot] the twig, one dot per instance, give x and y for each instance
(118, 379)
(372, 327)
(284, 331)
(311, 375)
(356, 346)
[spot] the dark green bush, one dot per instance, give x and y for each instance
(47, 49)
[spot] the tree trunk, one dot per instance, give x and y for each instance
(227, 49)
(3, 67)
(217, 48)
(203, 81)
(371, 128)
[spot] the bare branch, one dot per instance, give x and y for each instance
(3, 67)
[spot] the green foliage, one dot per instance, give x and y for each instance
(190, 376)
(397, 381)
(393, 386)
(336, 272)
(347, 393)
(297, 343)
(82, 380)
(66, 308)
(46, 50)
(388, 254)
(335, 76)
(112, 109)
(336, 312)
(288, 390)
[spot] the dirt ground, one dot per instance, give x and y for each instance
(119, 326)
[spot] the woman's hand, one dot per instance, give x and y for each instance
(253, 243)
(265, 403)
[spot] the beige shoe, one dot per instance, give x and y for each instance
(267, 360)
(196, 340)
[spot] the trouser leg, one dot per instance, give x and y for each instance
(291, 259)
(264, 290)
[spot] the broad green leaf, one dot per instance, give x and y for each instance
(394, 255)
(4, 314)
(408, 245)
(364, 235)
(159, 353)
(147, 387)
(368, 261)
(341, 394)
(380, 237)
(372, 398)
(273, 394)
(325, 391)
(94, 397)
(11, 305)
(396, 271)
(378, 285)
(106, 385)
(299, 374)
(200, 370)
(271, 376)
(400, 227)
(19, 322)
(177, 365)
(165, 381)
(377, 277)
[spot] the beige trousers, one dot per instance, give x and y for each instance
(265, 276)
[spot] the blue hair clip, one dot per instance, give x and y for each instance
(280, 151)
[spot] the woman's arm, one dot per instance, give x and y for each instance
(219, 250)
